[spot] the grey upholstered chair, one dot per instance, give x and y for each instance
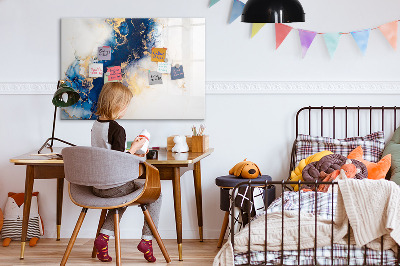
(85, 167)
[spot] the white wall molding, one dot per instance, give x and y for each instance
(251, 87)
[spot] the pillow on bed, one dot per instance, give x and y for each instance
(375, 170)
(393, 148)
(372, 145)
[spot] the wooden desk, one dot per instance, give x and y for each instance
(171, 167)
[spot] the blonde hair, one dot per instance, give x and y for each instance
(113, 98)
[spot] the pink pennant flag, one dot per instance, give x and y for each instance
(389, 30)
(281, 31)
(306, 39)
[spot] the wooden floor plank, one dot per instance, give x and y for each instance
(49, 252)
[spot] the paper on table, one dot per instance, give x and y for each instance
(96, 70)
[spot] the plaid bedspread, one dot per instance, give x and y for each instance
(307, 202)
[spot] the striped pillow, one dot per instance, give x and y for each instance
(372, 145)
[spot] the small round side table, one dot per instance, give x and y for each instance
(226, 183)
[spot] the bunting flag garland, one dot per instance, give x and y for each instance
(389, 30)
(213, 2)
(237, 9)
(256, 27)
(281, 31)
(361, 37)
(306, 39)
(332, 41)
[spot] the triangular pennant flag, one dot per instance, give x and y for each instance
(213, 2)
(332, 41)
(237, 9)
(256, 28)
(306, 39)
(389, 30)
(361, 37)
(281, 31)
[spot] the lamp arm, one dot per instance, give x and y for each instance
(54, 127)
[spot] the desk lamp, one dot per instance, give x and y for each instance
(64, 96)
(273, 11)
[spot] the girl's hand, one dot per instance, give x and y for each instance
(143, 155)
(137, 144)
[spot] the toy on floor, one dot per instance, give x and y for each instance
(13, 215)
(245, 169)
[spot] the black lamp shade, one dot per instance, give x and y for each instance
(73, 96)
(273, 11)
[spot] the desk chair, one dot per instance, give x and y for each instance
(85, 167)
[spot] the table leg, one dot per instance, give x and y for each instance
(199, 204)
(27, 206)
(60, 190)
(176, 182)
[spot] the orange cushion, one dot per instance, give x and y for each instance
(375, 170)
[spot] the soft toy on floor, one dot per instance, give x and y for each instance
(245, 169)
(13, 215)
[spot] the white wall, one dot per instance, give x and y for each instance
(259, 127)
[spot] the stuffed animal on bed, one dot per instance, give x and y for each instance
(245, 169)
(13, 215)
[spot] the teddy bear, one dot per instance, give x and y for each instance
(180, 144)
(245, 169)
(13, 215)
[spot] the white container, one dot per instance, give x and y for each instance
(144, 134)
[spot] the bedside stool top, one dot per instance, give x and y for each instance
(230, 181)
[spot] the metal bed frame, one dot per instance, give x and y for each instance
(283, 184)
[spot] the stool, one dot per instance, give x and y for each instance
(226, 183)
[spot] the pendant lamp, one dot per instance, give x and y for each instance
(63, 97)
(273, 11)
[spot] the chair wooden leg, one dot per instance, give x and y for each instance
(117, 238)
(154, 230)
(101, 222)
(73, 237)
(223, 229)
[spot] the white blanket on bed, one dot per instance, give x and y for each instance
(372, 206)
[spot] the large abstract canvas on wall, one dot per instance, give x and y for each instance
(161, 60)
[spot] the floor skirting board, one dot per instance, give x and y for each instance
(250, 87)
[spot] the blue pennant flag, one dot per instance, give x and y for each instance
(361, 37)
(332, 41)
(213, 2)
(237, 9)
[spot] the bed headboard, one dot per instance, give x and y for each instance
(344, 121)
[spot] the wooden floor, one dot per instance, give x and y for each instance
(50, 252)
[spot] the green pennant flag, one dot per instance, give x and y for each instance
(213, 2)
(256, 27)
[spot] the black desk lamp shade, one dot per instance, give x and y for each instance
(64, 96)
(273, 11)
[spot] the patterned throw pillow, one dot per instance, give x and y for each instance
(372, 145)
